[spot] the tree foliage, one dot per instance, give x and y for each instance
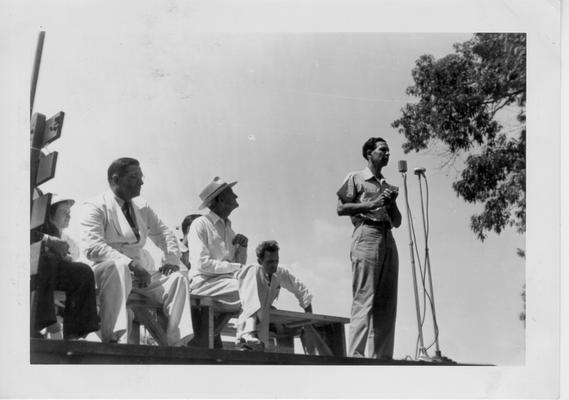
(459, 98)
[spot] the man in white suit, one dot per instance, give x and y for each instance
(114, 229)
(259, 286)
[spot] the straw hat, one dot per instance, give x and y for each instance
(212, 190)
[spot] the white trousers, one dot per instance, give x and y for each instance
(115, 284)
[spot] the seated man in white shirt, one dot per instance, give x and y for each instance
(259, 286)
(216, 253)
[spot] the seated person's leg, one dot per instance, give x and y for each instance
(172, 292)
(115, 284)
(247, 335)
(80, 314)
(42, 311)
(223, 289)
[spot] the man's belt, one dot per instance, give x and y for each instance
(377, 224)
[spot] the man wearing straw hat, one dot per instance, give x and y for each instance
(216, 251)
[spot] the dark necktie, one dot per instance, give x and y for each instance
(126, 209)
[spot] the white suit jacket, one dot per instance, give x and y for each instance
(107, 235)
(256, 293)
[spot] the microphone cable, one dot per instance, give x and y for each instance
(427, 264)
(427, 295)
(422, 273)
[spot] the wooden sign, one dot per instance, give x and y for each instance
(52, 129)
(42, 167)
(40, 208)
(37, 125)
(35, 253)
(43, 131)
(46, 167)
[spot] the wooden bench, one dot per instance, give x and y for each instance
(207, 313)
(320, 334)
(147, 313)
(210, 317)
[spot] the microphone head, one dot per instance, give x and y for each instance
(419, 171)
(402, 164)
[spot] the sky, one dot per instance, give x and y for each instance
(280, 96)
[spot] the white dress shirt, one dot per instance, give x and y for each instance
(210, 243)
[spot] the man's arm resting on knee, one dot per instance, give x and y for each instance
(141, 275)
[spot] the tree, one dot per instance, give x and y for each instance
(522, 315)
(460, 97)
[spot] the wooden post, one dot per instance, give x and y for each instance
(42, 169)
(36, 70)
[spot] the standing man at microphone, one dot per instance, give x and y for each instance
(369, 200)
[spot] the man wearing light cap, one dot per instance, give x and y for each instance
(216, 251)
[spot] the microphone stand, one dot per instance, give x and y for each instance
(438, 356)
(422, 355)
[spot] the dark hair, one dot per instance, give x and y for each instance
(119, 166)
(370, 145)
(263, 247)
(188, 221)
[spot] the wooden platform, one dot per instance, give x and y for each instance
(81, 352)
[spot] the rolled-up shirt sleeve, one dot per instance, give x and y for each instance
(348, 191)
(202, 257)
(295, 286)
(92, 236)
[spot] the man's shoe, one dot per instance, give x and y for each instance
(54, 331)
(118, 337)
(250, 341)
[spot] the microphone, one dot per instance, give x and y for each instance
(419, 171)
(402, 166)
